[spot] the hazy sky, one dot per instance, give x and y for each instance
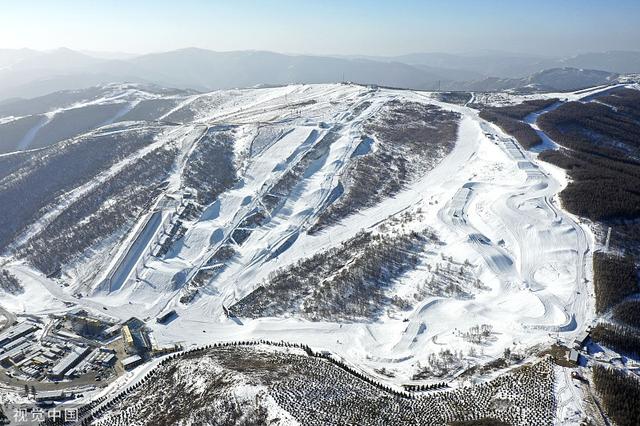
(323, 27)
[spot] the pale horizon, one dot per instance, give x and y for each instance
(463, 53)
(331, 28)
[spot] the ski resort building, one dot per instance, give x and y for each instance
(126, 336)
(16, 354)
(163, 319)
(131, 362)
(111, 331)
(581, 340)
(574, 356)
(125, 264)
(51, 396)
(68, 362)
(16, 332)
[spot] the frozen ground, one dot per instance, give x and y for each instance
(492, 204)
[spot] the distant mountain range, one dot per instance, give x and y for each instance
(505, 65)
(553, 79)
(26, 73)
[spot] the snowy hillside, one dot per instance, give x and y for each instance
(408, 237)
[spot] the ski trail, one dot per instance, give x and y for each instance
(31, 134)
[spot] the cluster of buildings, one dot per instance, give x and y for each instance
(16, 342)
(579, 343)
(137, 343)
(61, 350)
(76, 344)
(83, 360)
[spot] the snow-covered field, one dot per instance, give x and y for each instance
(493, 205)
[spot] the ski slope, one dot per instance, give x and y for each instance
(493, 205)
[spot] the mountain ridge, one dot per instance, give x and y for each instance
(27, 73)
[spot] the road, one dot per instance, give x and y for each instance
(9, 319)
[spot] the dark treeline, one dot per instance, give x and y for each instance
(72, 122)
(618, 337)
(626, 101)
(318, 389)
(509, 119)
(210, 169)
(150, 109)
(625, 235)
(9, 282)
(458, 98)
(347, 282)
(584, 125)
(39, 179)
(602, 147)
(410, 139)
(110, 206)
(628, 312)
(597, 191)
(520, 111)
(526, 136)
(10, 163)
(614, 278)
(620, 393)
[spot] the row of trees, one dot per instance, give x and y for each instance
(440, 364)
(480, 422)
(628, 313)
(509, 119)
(317, 392)
(601, 156)
(321, 395)
(614, 278)
(478, 334)
(619, 337)
(620, 393)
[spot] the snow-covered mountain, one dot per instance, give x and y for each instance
(200, 69)
(548, 80)
(27, 73)
(395, 241)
